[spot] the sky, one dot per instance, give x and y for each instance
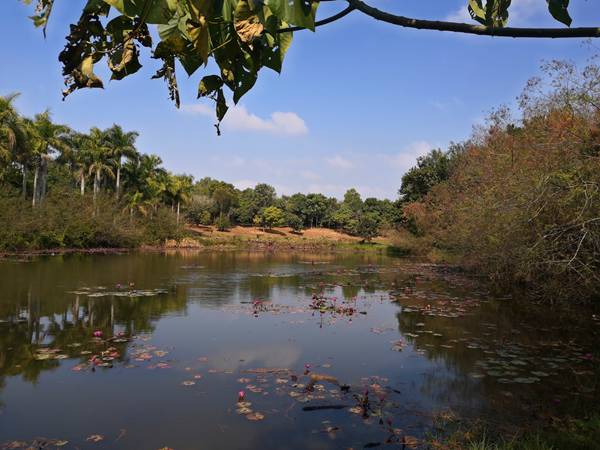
(356, 104)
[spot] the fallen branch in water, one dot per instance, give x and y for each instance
(265, 370)
(324, 407)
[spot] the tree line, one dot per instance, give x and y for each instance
(40, 158)
(221, 203)
(32, 150)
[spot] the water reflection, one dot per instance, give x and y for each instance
(178, 332)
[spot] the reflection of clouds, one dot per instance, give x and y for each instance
(281, 356)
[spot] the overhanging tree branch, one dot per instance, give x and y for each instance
(482, 30)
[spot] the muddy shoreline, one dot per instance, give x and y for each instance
(246, 245)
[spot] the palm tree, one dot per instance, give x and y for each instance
(135, 201)
(13, 137)
(99, 154)
(46, 137)
(81, 158)
(121, 144)
(9, 126)
(180, 190)
(74, 156)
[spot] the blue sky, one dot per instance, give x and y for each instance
(357, 101)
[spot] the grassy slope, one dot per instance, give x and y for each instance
(277, 237)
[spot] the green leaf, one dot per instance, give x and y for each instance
(560, 11)
(152, 11)
(99, 7)
(496, 12)
(209, 85)
(301, 13)
(477, 11)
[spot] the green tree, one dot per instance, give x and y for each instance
(225, 198)
(368, 226)
(272, 216)
(353, 201)
(99, 158)
(430, 170)
(45, 138)
(181, 189)
(294, 222)
(120, 144)
(13, 138)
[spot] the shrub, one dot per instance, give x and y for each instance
(223, 223)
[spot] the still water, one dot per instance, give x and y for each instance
(273, 351)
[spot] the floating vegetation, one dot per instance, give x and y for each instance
(438, 341)
(100, 291)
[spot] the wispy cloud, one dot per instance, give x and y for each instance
(238, 118)
(372, 173)
(245, 184)
(407, 158)
(339, 162)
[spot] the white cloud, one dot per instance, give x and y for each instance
(310, 175)
(460, 15)
(238, 118)
(198, 108)
(520, 12)
(339, 162)
(373, 173)
(407, 158)
(245, 184)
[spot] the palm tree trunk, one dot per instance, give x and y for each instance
(43, 180)
(178, 204)
(118, 185)
(96, 184)
(24, 182)
(35, 185)
(82, 181)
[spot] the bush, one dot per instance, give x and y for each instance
(295, 222)
(223, 223)
(66, 220)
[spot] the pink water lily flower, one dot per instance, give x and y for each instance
(98, 333)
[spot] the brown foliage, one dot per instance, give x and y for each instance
(523, 203)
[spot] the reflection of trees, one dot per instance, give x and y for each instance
(36, 308)
(492, 328)
(71, 329)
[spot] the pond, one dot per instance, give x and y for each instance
(243, 350)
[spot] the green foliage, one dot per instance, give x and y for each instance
(199, 210)
(223, 223)
(352, 200)
(294, 222)
(572, 434)
(240, 36)
(67, 220)
(272, 216)
(430, 170)
(368, 226)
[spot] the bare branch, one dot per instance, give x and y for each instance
(482, 30)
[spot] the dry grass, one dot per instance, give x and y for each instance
(280, 233)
